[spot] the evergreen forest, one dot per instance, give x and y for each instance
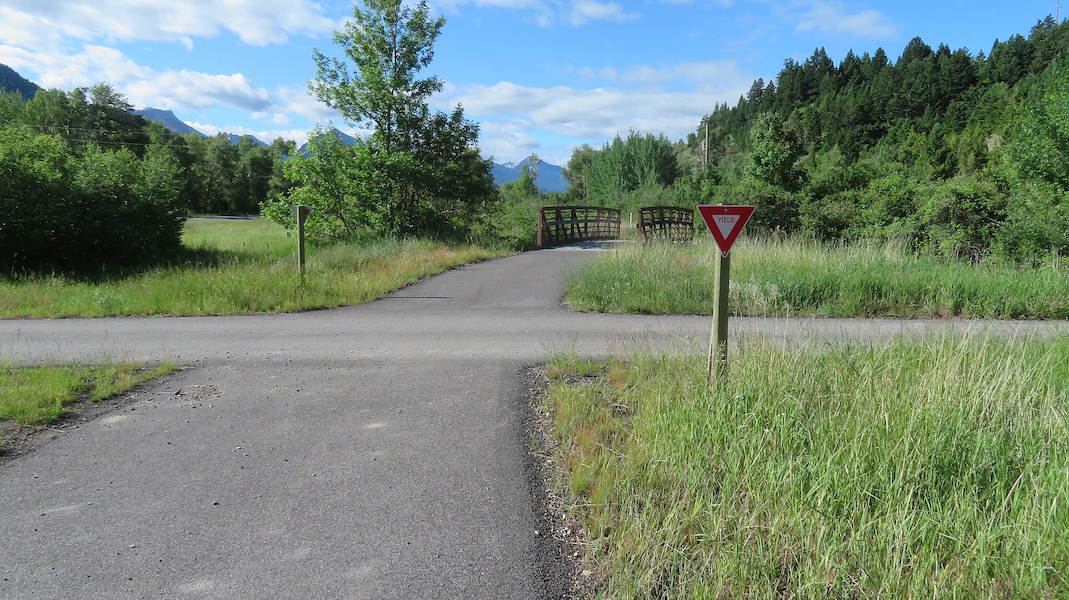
(961, 155)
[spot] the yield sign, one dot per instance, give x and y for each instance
(725, 223)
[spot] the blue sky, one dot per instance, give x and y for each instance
(539, 76)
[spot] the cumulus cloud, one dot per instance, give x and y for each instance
(597, 113)
(583, 11)
(725, 73)
(198, 90)
(294, 101)
(833, 17)
(506, 139)
(552, 12)
(61, 70)
(256, 22)
(142, 85)
(274, 117)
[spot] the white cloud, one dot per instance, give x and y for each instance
(256, 22)
(506, 139)
(274, 117)
(546, 13)
(290, 101)
(198, 90)
(832, 17)
(598, 113)
(28, 31)
(591, 10)
(142, 85)
(94, 64)
(724, 73)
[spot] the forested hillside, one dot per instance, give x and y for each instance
(10, 81)
(963, 155)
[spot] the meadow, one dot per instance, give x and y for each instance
(794, 277)
(235, 267)
(923, 469)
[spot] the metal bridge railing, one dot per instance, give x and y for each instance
(666, 223)
(559, 225)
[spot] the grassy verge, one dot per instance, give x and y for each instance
(918, 470)
(792, 277)
(38, 395)
(233, 267)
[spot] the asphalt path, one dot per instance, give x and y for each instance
(374, 451)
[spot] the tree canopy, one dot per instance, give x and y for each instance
(419, 171)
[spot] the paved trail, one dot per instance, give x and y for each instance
(375, 451)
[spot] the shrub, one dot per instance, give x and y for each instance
(62, 211)
(959, 218)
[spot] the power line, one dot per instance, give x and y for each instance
(113, 143)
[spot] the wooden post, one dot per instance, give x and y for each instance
(301, 212)
(718, 337)
(541, 222)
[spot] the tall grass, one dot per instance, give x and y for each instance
(233, 267)
(917, 470)
(793, 277)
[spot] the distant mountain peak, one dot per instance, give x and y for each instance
(168, 119)
(345, 138)
(548, 177)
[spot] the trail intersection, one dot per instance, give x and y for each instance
(373, 451)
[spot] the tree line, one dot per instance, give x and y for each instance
(84, 181)
(965, 156)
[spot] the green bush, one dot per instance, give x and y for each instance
(960, 217)
(64, 211)
(777, 208)
(1037, 225)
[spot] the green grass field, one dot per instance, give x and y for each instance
(798, 278)
(931, 469)
(234, 267)
(39, 395)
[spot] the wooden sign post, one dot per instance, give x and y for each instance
(725, 223)
(718, 336)
(301, 213)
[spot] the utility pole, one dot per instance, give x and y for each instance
(705, 162)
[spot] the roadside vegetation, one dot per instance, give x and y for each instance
(959, 154)
(235, 267)
(916, 470)
(793, 277)
(38, 395)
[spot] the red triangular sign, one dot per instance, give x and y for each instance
(725, 223)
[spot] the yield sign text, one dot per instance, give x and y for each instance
(725, 223)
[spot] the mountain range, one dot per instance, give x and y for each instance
(548, 177)
(180, 127)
